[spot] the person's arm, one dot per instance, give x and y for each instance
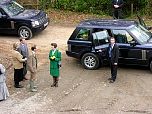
(113, 3)
(50, 55)
(121, 4)
(29, 63)
(107, 52)
(2, 68)
(27, 51)
(116, 55)
(58, 58)
(19, 50)
(20, 58)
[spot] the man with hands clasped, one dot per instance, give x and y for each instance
(113, 55)
(117, 8)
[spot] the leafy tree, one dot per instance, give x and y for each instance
(144, 7)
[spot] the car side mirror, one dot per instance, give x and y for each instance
(133, 43)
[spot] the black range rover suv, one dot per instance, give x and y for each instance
(14, 19)
(90, 40)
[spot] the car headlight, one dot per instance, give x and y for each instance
(35, 23)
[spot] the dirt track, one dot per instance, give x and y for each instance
(80, 91)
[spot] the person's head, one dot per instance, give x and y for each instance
(112, 40)
(53, 46)
(33, 48)
(15, 45)
(22, 40)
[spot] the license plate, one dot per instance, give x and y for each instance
(45, 24)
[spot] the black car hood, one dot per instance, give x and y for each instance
(28, 14)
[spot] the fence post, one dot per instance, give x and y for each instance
(132, 9)
(37, 7)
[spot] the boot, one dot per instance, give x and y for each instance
(32, 89)
(17, 85)
(53, 82)
(56, 82)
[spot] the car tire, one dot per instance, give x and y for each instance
(150, 66)
(90, 61)
(25, 32)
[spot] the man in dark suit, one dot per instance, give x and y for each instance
(23, 50)
(113, 55)
(117, 8)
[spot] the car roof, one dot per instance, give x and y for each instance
(4, 2)
(108, 23)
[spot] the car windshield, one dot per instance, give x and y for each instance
(142, 35)
(13, 8)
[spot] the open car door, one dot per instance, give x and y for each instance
(141, 21)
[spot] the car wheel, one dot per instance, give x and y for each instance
(150, 65)
(25, 32)
(90, 61)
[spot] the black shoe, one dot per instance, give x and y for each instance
(56, 85)
(18, 86)
(52, 85)
(109, 78)
(2, 100)
(111, 81)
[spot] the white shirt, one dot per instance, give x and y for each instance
(112, 45)
(53, 52)
(33, 53)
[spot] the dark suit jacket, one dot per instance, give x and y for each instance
(23, 49)
(119, 3)
(114, 54)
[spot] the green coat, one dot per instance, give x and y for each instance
(54, 64)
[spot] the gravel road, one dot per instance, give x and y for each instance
(80, 91)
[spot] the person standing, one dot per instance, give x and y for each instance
(32, 67)
(113, 55)
(55, 60)
(18, 65)
(117, 8)
(23, 49)
(3, 88)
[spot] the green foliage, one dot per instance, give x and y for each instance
(44, 4)
(89, 6)
(98, 6)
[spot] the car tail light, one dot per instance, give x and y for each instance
(69, 47)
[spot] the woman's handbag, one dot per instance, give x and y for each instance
(59, 64)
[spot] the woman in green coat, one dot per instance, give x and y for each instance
(55, 64)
